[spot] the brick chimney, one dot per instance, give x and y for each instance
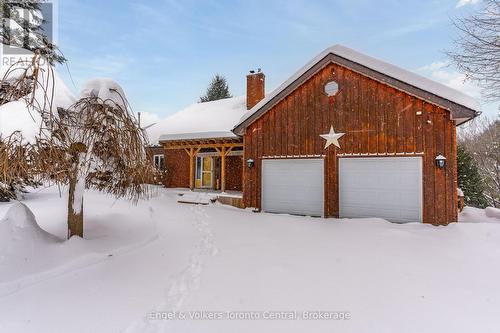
(255, 88)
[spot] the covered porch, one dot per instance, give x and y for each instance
(215, 159)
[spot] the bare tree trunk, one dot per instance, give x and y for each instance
(75, 216)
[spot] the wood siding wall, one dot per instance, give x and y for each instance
(234, 173)
(156, 178)
(377, 120)
(177, 168)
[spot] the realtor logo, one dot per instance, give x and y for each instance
(26, 26)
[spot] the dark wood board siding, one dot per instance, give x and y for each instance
(409, 122)
(391, 119)
(265, 132)
(453, 177)
(372, 118)
(272, 134)
(376, 119)
(234, 165)
(440, 187)
(380, 118)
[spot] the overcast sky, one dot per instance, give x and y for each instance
(164, 52)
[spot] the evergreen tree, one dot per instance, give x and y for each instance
(21, 26)
(217, 89)
(469, 179)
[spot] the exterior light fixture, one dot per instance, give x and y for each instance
(440, 161)
(250, 163)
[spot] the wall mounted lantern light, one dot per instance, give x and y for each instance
(440, 161)
(250, 163)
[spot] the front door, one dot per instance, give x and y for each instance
(204, 171)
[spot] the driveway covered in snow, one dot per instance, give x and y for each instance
(142, 262)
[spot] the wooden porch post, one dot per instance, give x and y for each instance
(223, 169)
(192, 154)
(191, 168)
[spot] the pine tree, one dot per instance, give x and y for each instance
(21, 27)
(469, 179)
(217, 89)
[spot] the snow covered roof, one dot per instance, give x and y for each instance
(210, 118)
(389, 70)
(198, 135)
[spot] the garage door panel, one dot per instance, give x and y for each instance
(409, 215)
(393, 202)
(388, 188)
(293, 186)
(395, 215)
(365, 180)
(390, 197)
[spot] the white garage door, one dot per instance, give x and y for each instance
(293, 186)
(385, 187)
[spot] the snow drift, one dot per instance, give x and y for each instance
(216, 257)
(22, 242)
(35, 250)
(492, 212)
(477, 215)
(28, 254)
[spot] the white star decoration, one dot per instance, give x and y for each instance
(332, 137)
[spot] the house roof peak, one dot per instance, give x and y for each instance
(461, 105)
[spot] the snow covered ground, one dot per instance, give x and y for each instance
(141, 262)
(473, 215)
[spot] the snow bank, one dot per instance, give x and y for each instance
(477, 215)
(216, 116)
(492, 212)
(202, 198)
(33, 251)
(218, 258)
(106, 89)
(19, 225)
(22, 242)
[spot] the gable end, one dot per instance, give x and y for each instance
(457, 111)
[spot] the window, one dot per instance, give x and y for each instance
(331, 88)
(198, 167)
(159, 161)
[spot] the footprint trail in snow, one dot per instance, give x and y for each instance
(186, 281)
